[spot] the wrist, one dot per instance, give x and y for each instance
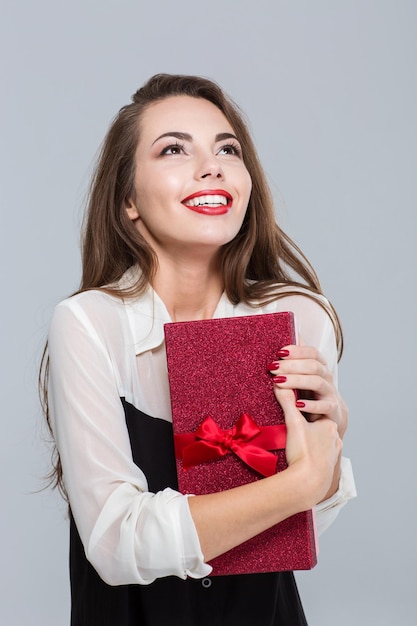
(311, 485)
(305, 486)
(335, 481)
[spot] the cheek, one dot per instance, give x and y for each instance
(160, 188)
(247, 186)
(171, 184)
(246, 180)
(148, 194)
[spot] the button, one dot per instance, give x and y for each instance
(206, 582)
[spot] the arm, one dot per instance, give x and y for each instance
(305, 369)
(226, 519)
(312, 368)
(129, 534)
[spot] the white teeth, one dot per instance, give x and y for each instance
(207, 200)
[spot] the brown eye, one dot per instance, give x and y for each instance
(174, 149)
(231, 149)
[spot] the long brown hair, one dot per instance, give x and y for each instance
(253, 265)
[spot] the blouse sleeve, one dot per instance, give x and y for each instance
(129, 534)
(315, 328)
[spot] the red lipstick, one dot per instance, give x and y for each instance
(218, 207)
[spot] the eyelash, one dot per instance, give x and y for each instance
(235, 148)
(164, 152)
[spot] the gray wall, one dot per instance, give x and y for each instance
(330, 90)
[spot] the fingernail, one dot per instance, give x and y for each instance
(283, 353)
(300, 404)
(279, 379)
(274, 365)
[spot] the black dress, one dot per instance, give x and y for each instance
(245, 600)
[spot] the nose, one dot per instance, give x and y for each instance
(209, 167)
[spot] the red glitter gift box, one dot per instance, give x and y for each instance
(230, 430)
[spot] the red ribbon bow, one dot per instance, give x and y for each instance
(246, 439)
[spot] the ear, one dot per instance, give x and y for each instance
(131, 210)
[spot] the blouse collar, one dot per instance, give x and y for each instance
(147, 314)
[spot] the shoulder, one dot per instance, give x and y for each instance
(304, 303)
(106, 300)
(100, 304)
(93, 306)
(112, 320)
(95, 317)
(83, 321)
(312, 313)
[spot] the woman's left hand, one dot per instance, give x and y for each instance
(304, 369)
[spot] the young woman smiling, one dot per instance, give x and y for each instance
(180, 226)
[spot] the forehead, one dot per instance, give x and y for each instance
(182, 113)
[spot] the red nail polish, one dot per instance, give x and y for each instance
(300, 404)
(274, 365)
(283, 353)
(279, 379)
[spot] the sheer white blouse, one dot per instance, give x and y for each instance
(102, 349)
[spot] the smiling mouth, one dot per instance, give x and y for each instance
(213, 203)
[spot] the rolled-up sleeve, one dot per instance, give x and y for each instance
(328, 510)
(129, 534)
(316, 329)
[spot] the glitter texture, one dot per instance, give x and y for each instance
(219, 368)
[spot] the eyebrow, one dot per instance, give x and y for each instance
(188, 137)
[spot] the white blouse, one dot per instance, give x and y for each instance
(102, 349)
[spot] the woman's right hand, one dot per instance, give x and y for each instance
(227, 518)
(312, 450)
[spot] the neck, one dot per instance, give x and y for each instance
(189, 289)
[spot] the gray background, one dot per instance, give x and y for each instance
(330, 90)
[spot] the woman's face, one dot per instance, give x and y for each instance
(192, 187)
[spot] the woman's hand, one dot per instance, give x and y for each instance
(312, 450)
(228, 518)
(303, 368)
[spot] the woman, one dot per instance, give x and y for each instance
(180, 226)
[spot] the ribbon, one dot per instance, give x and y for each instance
(250, 442)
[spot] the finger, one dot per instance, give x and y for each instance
(300, 352)
(314, 410)
(300, 366)
(321, 388)
(294, 419)
(286, 399)
(320, 408)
